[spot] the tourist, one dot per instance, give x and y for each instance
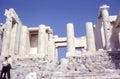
(9, 66)
(4, 68)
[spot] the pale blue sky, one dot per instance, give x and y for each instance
(57, 13)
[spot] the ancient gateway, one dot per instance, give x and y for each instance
(19, 40)
(102, 41)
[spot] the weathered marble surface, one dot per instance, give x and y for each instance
(99, 66)
(70, 40)
(90, 38)
(35, 55)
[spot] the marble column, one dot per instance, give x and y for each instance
(41, 41)
(90, 37)
(51, 46)
(46, 38)
(70, 40)
(6, 38)
(27, 41)
(106, 25)
(23, 41)
(1, 36)
(99, 34)
(56, 53)
(18, 38)
(103, 36)
(56, 49)
(119, 38)
(13, 39)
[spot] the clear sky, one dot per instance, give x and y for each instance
(57, 13)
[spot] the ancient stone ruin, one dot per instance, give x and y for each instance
(34, 50)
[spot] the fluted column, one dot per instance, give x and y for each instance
(90, 37)
(56, 49)
(106, 25)
(56, 54)
(13, 35)
(41, 41)
(18, 38)
(6, 38)
(70, 40)
(51, 45)
(103, 37)
(119, 38)
(1, 37)
(24, 42)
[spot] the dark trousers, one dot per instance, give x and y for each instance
(8, 71)
(3, 72)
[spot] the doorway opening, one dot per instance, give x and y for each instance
(62, 52)
(33, 41)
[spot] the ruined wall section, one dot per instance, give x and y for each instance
(115, 33)
(12, 30)
(117, 26)
(106, 34)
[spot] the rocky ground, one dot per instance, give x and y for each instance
(99, 66)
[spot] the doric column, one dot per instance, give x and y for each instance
(17, 42)
(51, 45)
(13, 35)
(1, 36)
(56, 53)
(24, 42)
(6, 38)
(41, 41)
(56, 49)
(70, 40)
(99, 34)
(119, 38)
(103, 37)
(106, 25)
(90, 37)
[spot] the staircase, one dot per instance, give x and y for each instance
(98, 66)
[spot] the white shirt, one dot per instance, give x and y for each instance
(9, 61)
(5, 63)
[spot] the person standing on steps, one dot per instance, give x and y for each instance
(9, 66)
(4, 68)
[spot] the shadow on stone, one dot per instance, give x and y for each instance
(115, 58)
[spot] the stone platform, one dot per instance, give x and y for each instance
(97, 66)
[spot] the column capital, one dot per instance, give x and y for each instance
(104, 7)
(70, 24)
(88, 23)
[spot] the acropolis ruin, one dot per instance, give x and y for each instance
(99, 49)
